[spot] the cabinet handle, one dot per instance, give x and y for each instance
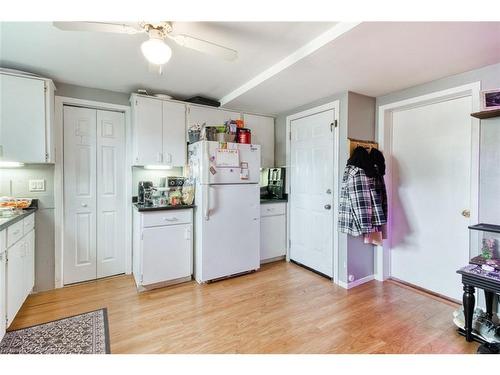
(170, 219)
(159, 157)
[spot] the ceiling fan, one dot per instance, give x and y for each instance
(155, 50)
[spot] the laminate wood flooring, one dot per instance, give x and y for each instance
(282, 308)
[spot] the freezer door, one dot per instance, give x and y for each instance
(239, 165)
(231, 233)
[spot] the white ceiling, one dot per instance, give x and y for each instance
(114, 61)
(375, 58)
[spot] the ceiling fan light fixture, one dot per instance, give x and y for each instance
(155, 50)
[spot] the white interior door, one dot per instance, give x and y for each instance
(80, 203)
(431, 169)
(110, 193)
(311, 191)
(94, 213)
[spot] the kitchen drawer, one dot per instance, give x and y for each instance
(14, 233)
(272, 209)
(170, 217)
(3, 245)
(29, 223)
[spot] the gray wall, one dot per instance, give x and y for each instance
(489, 185)
(87, 93)
(14, 182)
(356, 120)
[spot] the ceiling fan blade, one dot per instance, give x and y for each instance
(106, 27)
(204, 46)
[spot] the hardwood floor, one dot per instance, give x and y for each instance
(283, 308)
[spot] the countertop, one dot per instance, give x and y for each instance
(8, 221)
(143, 208)
(273, 200)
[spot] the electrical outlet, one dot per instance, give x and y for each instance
(36, 185)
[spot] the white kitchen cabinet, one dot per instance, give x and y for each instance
(16, 292)
(147, 130)
(158, 134)
(272, 231)
(262, 128)
(174, 134)
(210, 116)
(29, 262)
(26, 123)
(3, 293)
(162, 247)
(18, 267)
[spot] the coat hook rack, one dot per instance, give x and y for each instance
(353, 143)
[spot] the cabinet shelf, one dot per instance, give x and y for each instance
(486, 114)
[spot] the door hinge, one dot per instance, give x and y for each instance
(142, 235)
(136, 103)
(289, 243)
(46, 156)
(290, 135)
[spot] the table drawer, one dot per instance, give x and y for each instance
(272, 209)
(29, 223)
(160, 218)
(14, 233)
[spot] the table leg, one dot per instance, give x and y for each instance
(469, 301)
(489, 296)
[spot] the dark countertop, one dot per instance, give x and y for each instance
(8, 221)
(273, 200)
(143, 208)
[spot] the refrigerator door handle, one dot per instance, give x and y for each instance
(206, 202)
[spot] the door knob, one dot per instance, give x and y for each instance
(466, 213)
(328, 206)
(328, 191)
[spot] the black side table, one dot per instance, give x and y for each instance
(490, 288)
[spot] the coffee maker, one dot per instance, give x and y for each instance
(276, 183)
(145, 193)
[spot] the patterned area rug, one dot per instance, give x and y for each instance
(86, 333)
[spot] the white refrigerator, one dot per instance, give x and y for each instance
(227, 213)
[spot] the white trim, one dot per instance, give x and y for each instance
(355, 283)
(335, 106)
(304, 51)
(384, 137)
(59, 102)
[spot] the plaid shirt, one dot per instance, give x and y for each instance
(363, 202)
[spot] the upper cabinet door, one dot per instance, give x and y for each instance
(147, 130)
(23, 119)
(210, 116)
(174, 134)
(262, 128)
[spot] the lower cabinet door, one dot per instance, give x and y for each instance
(166, 253)
(3, 293)
(16, 291)
(29, 263)
(272, 236)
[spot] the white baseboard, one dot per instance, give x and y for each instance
(355, 283)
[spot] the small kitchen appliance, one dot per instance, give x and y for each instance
(145, 193)
(276, 183)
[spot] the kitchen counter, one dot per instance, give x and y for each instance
(8, 221)
(143, 208)
(273, 200)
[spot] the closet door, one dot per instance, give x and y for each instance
(110, 193)
(80, 203)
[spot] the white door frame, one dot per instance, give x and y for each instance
(335, 105)
(384, 137)
(60, 102)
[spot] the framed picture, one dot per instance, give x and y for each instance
(490, 99)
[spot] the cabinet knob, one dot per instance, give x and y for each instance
(328, 206)
(84, 204)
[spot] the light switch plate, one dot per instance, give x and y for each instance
(36, 185)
